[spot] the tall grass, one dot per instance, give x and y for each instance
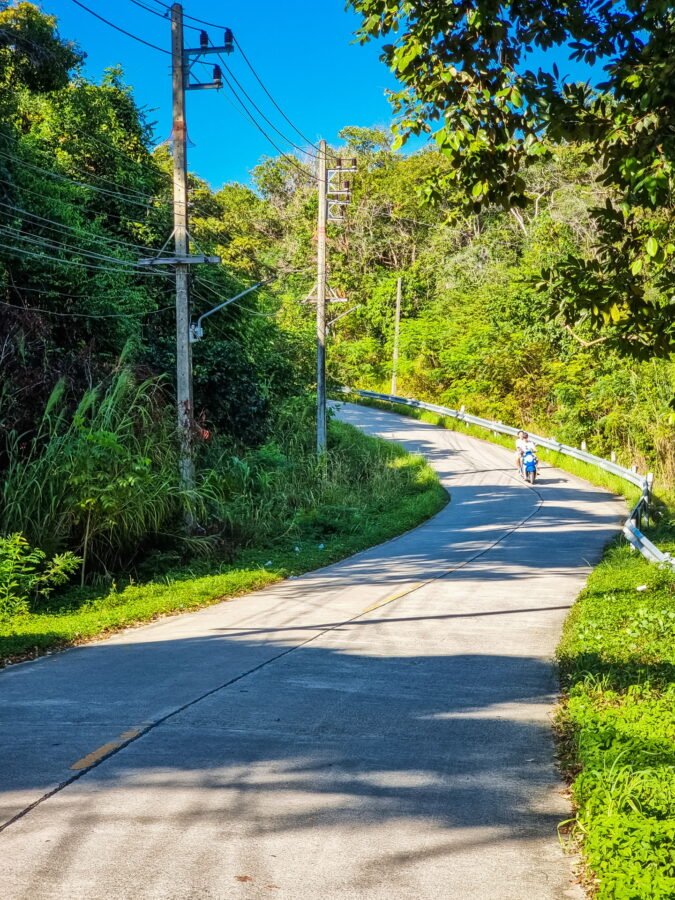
(96, 479)
(268, 513)
(100, 479)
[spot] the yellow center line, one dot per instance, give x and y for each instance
(392, 597)
(106, 749)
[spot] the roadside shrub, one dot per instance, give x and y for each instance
(27, 575)
(98, 480)
(617, 726)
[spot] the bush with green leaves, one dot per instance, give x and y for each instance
(27, 575)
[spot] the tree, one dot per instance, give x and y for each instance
(466, 79)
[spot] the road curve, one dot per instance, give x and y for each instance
(379, 728)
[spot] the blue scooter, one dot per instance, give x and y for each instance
(528, 466)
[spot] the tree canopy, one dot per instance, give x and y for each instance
(468, 79)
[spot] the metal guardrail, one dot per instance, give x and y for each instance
(631, 528)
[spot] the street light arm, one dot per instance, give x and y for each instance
(196, 331)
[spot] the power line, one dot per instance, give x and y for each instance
(259, 127)
(89, 136)
(44, 257)
(74, 315)
(123, 192)
(260, 112)
(53, 292)
(130, 34)
(58, 245)
(192, 18)
(164, 16)
(91, 187)
(71, 203)
(233, 76)
(60, 226)
(276, 105)
(108, 146)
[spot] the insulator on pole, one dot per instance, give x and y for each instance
(203, 39)
(217, 76)
(228, 40)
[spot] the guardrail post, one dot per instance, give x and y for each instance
(647, 494)
(584, 447)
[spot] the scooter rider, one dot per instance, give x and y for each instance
(523, 444)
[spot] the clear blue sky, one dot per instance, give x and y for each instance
(302, 49)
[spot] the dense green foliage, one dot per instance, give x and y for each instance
(617, 724)
(469, 76)
(82, 198)
(87, 435)
(287, 513)
(480, 327)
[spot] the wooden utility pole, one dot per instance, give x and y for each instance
(321, 305)
(180, 224)
(397, 328)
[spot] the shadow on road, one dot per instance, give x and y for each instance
(316, 738)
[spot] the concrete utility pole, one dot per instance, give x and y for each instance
(321, 305)
(180, 224)
(397, 328)
(333, 197)
(182, 61)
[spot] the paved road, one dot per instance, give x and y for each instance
(377, 729)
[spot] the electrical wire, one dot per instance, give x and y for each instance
(50, 291)
(89, 136)
(60, 227)
(192, 18)
(130, 34)
(276, 105)
(91, 187)
(294, 162)
(122, 192)
(44, 257)
(71, 203)
(166, 52)
(250, 66)
(261, 113)
(50, 244)
(74, 315)
(165, 16)
(108, 146)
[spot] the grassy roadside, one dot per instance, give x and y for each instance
(616, 724)
(616, 720)
(394, 492)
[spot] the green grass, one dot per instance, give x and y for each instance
(616, 724)
(373, 491)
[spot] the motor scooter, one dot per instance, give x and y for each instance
(528, 466)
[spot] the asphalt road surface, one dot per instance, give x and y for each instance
(377, 729)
